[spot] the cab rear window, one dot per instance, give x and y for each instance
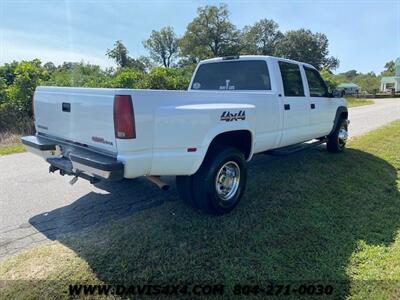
(244, 75)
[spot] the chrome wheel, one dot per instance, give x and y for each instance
(227, 180)
(343, 134)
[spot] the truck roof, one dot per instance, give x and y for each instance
(252, 57)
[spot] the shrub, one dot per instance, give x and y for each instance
(127, 78)
(14, 121)
(28, 75)
(166, 79)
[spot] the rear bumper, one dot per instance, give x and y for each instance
(74, 160)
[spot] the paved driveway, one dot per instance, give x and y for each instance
(36, 206)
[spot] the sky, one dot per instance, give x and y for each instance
(363, 34)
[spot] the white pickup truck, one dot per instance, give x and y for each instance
(234, 108)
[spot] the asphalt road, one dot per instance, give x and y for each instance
(36, 206)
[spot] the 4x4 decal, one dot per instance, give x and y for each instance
(228, 116)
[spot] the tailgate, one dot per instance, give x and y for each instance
(80, 115)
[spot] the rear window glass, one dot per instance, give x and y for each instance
(291, 77)
(235, 75)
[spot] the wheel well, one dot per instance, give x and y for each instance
(240, 139)
(344, 115)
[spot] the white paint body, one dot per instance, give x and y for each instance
(170, 122)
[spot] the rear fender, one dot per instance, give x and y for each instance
(230, 126)
(178, 129)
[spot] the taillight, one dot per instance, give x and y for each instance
(124, 119)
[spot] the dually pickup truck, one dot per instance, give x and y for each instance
(234, 108)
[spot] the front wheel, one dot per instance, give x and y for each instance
(337, 140)
(220, 182)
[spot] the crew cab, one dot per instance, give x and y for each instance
(235, 107)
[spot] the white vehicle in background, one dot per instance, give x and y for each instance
(234, 108)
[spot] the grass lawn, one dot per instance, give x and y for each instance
(9, 149)
(353, 102)
(10, 143)
(306, 217)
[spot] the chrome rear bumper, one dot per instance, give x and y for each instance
(76, 161)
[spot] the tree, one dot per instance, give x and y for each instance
(162, 45)
(166, 79)
(261, 38)
(389, 69)
(331, 80)
(127, 78)
(120, 54)
(7, 72)
(368, 82)
(50, 67)
(28, 75)
(3, 94)
(350, 75)
(210, 34)
(305, 46)
(146, 62)
(79, 75)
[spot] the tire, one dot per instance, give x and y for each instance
(184, 185)
(220, 182)
(337, 140)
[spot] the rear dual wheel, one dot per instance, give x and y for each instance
(218, 185)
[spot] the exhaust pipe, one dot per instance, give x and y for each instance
(158, 182)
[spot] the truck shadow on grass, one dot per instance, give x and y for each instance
(301, 219)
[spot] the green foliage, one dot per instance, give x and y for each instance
(127, 78)
(354, 102)
(389, 69)
(27, 75)
(79, 74)
(50, 67)
(7, 72)
(305, 46)
(120, 55)
(4, 150)
(350, 75)
(166, 79)
(3, 93)
(261, 38)
(368, 82)
(162, 45)
(331, 80)
(157, 78)
(210, 34)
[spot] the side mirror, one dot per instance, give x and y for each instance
(336, 93)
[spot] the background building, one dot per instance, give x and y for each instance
(388, 83)
(349, 88)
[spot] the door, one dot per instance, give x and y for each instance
(322, 108)
(295, 105)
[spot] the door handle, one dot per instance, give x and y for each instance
(287, 106)
(66, 107)
(312, 105)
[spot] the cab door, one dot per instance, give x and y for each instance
(322, 108)
(296, 112)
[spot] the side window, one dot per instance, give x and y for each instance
(316, 84)
(291, 78)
